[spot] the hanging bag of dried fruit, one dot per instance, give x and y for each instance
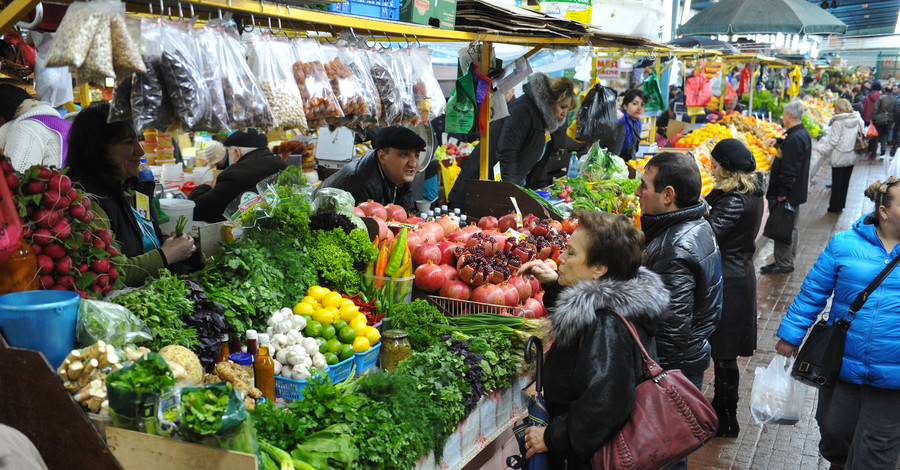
(319, 100)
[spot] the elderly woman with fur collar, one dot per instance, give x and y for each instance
(594, 365)
(520, 140)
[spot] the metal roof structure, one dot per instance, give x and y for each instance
(861, 16)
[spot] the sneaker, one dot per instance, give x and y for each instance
(775, 269)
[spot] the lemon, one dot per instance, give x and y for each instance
(309, 300)
(349, 312)
(317, 292)
(346, 302)
(373, 335)
(324, 316)
(361, 344)
(332, 300)
(304, 308)
(358, 323)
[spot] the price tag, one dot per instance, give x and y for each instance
(142, 205)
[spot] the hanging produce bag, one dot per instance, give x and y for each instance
(360, 69)
(205, 40)
(150, 105)
(98, 63)
(461, 106)
(597, 118)
(357, 104)
(403, 72)
(697, 91)
(276, 81)
(10, 224)
(245, 103)
(182, 77)
(386, 84)
(120, 106)
(319, 102)
(75, 34)
(126, 56)
(214, 415)
(654, 96)
(109, 322)
(427, 93)
(134, 392)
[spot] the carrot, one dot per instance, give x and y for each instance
(380, 264)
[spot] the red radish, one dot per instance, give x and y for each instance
(35, 187)
(103, 280)
(73, 195)
(104, 235)
(359, 212)
(429, 277)
(45, 264)
(52, 199)
(12, 181)
(6, 166)
(414, 220)
(489, 294)
(100, 266)
(86, 202)
(27, 232)
(521, 285)
(78, 211)
(533, 308)
(60, 183)
(448, 252)
(62, 229)
(82, 268)
(373, 209)
(36, 249)
(507, 222)
(112, 251)
(64, 265)
(68, 282)
(488, 223)
(42, 236)
(452, 275)
(535, 285)
(97, 243)
(412, 240)
(44, 173)
(88, 217)
(426, 253)
(46, 218)
(113, 273)
(55, 250)
(459, 236)
(448, 225)
(395, 212)
(434, 228)
(46, 281)
(510, 294)
(456, 290)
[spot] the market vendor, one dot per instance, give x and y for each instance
(251, 162)
(384, 174)
(104, 158)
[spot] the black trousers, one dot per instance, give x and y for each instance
(840, 182)
(859, 426)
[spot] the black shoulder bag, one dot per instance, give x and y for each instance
(819, 362)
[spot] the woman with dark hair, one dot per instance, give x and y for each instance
(736, 209)
(628, 138)
(594, 365)
(858, 417)
(104, 159)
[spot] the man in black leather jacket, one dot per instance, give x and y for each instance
(681, 248)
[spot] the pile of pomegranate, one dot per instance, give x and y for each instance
(478, 262)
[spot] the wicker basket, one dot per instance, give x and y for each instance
(456, 307)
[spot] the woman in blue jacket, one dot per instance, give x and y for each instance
(859, 418)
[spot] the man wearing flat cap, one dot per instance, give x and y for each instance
(385, 173)
(251, 162)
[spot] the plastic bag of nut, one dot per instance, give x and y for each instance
(348, 85)
(403, 73)
(382, 73)
(429, 97)
(76, 31)
(204, 40)
(245, 103)
(182, 77)
(319, 100)
(150, 105)
(266, 55)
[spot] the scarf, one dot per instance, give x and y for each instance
(631, 125)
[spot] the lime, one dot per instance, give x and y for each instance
(347, 335)
(328, 332)
(334, 345)
(323, 346)
(313, 329)
(338, 324)
(331, 358)
(346, 352)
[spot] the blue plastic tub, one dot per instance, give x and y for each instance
(43, 320)
(367, 360)
(340, 371)
(289, 389)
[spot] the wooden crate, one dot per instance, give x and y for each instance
(140, 451)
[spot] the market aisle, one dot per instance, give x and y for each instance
(785, 447)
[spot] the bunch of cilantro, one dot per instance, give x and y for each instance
(423, 321)
(162, 304)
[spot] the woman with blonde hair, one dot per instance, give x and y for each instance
(736, 208)
(839, 147)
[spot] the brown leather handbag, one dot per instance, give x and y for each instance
(671, 419)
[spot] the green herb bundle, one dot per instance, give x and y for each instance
(423, 321)
(162, 304)
(202, 409)
(144, 376)
(340, 257)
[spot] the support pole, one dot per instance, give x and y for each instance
(752, 86)
(487, 50)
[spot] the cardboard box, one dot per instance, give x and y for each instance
(437, 13)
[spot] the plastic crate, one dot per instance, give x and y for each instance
(456, 307)
(384, 9)
(340, 371)
(289, 389)
(367, 360)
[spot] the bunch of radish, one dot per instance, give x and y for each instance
(73, 251)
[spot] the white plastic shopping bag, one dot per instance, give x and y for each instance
(776, 398)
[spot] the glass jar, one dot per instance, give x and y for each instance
(19, 271)
(394, 348)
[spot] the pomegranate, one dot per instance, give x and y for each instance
(412, 240)
(426, 253)
(489, 294)
(460, 236)
(488, 223)
(427, 236)
(533, 308)
(529, 220)
(448, 252)
(522, 286)
(569, 225)
(535, 284)
(383, 231)
(540, 298)
(507, 222)
(452, 275)
(555, 225)
(447, 223)
(429, 277)
(489, 243)
(373, 209)
(475, 270)
(541, 228)
(414, 220)
(434, 228)
(395, 212)
(510, 294)
(456, 290)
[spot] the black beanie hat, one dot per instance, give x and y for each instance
(733, 155)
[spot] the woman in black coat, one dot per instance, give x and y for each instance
(735, 216)
(594, 365)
